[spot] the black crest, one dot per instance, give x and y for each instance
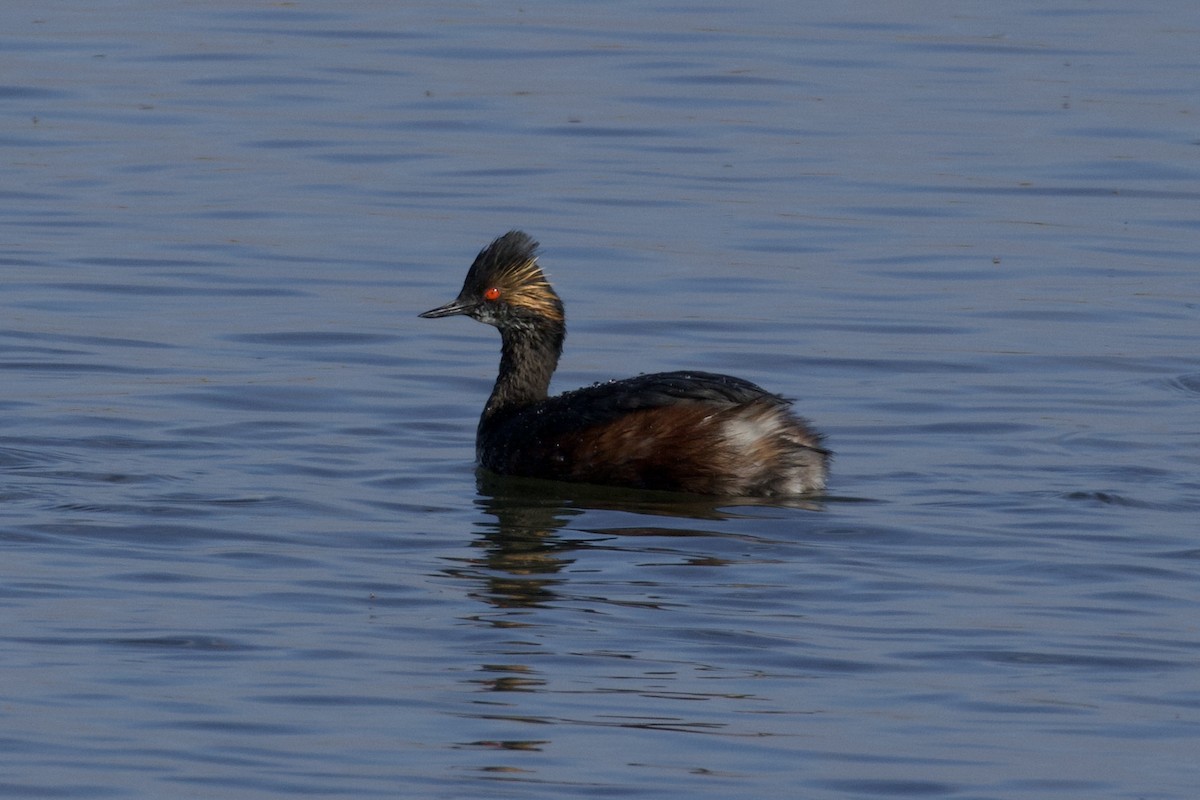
(509, 259)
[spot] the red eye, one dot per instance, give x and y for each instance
(492, 294)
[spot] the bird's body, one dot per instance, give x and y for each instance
(679, 431)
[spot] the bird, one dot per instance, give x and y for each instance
(685, 431)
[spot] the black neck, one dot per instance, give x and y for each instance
(528, 356)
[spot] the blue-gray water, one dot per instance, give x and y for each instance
(244, 550)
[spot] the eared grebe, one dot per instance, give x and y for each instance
(680, 431)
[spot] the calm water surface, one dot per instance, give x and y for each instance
(245, 551)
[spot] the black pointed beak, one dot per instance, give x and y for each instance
(453, 308)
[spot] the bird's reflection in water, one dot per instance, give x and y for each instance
(543, 629)
(524, 552)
